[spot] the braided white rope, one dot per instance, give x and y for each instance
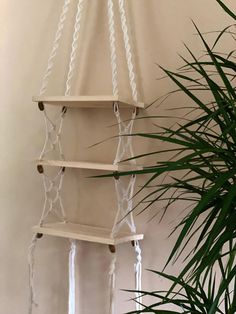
(74, 46)
(113, 55)
(56, 44)
(129, 60)
(72, 278)
(138, 275)
(112, 278)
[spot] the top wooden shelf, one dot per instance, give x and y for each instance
(95, 101)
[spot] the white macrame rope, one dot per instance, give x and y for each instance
(111, 25)
(55, 47)
(50, 185)
(53, 135)
(138, 275)
(74, 46)
(129, 60)
(112, 279)
(125, 140)
(53, 201)
(72, 278)
(31, 264)
(124, 192)
(50, 127)
(53, 186)
(72, 255)
(125, 150)
(125, 204)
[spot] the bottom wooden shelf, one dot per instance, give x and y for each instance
(85, 233)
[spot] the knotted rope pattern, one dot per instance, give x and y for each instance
(53, 186)
(124, 191)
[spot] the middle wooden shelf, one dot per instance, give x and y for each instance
(86, 233)
(90, 165)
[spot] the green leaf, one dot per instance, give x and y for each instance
(226, 9)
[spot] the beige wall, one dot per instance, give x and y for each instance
(26, 32)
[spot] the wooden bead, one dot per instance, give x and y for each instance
(112, 248)
(40, 169)
(41, 106)
(39, 235)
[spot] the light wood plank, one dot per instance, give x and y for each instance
(94, 101)
(85, 233)
(89, 165)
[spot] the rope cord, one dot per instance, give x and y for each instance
(138, 275)
(129, 60)
(125, 204)
(53, 201)
(112, 278)
(113, 56)
(124, 148)
(72, 278)
(74, 46)
(52, 204)
(52, 139)
(52, 186)
(124, 192)
(56, 44)
(31, 264)
(53, 132)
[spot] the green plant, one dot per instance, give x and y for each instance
(203, 296)
(204, 153)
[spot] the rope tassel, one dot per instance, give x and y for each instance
(31, 264)
(112, 277)
(138, 275)
(72, 275)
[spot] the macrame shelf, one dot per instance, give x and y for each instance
(94, 101)
(53, 180)
(86, 233)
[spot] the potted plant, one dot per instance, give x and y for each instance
(204, 153)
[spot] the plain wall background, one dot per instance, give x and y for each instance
(26, 32)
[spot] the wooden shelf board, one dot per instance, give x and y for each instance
(95, 101)
(85, 233)
(89, 165)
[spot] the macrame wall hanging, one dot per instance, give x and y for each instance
(53, 205)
